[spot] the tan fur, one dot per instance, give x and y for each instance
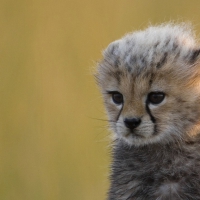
(180, 94)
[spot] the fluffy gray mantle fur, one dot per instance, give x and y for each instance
(153, 172)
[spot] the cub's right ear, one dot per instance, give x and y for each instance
(194, 56)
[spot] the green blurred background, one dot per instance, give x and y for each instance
(52, 145)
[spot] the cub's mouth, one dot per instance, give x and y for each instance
(133, 133)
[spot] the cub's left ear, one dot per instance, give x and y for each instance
(194, 56)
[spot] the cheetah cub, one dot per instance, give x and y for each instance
(150, 81)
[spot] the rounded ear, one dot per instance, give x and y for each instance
(194, 55)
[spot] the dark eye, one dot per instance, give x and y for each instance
(117, 97)
(156, 97)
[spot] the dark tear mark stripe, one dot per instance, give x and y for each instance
(151, 117)
(119, 112)
(149, 112)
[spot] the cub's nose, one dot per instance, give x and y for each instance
(132, 123)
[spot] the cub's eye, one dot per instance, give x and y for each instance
(156, 97)
(117, 97)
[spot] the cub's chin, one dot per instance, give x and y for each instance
(138, 138)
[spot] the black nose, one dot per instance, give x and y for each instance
(132, 122)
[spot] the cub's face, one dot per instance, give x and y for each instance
(149, 108)
(150, 84)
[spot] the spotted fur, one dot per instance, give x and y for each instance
(160, 158)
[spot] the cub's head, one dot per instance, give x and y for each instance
(150, 81)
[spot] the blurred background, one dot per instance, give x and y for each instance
(53, 143)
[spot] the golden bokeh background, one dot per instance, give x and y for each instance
(52, 145)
